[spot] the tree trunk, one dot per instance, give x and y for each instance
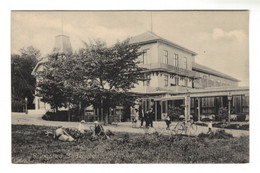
(82, 111)
(105, 115)
(68, 112)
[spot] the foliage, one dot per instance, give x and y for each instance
(23, 83)
(224, 125)
(223, 114)
(50, 84)
(174, 112)
(36, 147)
(97, 75)
(56, 116)
(219, 134)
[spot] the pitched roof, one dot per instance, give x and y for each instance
(202, 68)
(150, 37)
(44, 60)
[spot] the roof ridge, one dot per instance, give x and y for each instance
(155, 37)
(213, 71)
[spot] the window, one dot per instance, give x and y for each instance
(176, 81)
(186, 82)
(165, 80)
(146, 56)
(148, 77)
(176, 60)
(165, 57)
(185, 65)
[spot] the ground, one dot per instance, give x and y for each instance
(35, 119)
(31, 145)
(129, 145)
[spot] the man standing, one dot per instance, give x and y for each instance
(141, 115)
(151, 116)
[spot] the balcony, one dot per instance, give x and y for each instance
(170, 69)
(172, 89)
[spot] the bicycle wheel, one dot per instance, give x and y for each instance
(193, 129)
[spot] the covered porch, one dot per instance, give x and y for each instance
(200, 103)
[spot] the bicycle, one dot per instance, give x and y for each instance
(188, 128)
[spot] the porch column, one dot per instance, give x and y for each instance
(155, 110)
(102, 113)
(161, 108)
(98, 114)
(198, 109)
(229, 100)
(187, 108)
(166, 107)
(94, 114)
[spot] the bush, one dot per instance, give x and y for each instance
(241, 117)
(18, 105)
(237, 126)
(219, 134)
(56, 116)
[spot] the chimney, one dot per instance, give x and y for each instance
(62, 45)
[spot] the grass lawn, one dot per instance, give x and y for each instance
(31, 145)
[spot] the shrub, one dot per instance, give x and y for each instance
(219, 134)
(18, 105)
(241, 117)
(56, 116)
(174, 112)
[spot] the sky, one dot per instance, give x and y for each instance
(221, 38)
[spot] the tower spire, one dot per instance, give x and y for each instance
(61, 23)
(151, 21)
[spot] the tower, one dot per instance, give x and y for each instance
(62, 45)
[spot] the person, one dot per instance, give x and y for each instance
(134, 118)
(210, 127)
(62, 135)
(168, 122)
(81, 127)
(98, 130)
(151, 116)
(141, 116)
(146, 118)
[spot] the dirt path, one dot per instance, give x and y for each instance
(35, 119)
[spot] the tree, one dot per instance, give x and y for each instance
(50, 82)
(97, 75)
(23, 83)
(113, 72)
(31, 52)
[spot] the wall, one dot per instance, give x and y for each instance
(153, 52)
(171, 51)
(207, 80)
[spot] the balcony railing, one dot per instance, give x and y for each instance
(176, 89)
(171, 69)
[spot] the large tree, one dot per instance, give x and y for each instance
(113, 72)
(97, 75)
(23, 83)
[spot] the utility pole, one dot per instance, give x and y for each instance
(229, 104)
(151, 21)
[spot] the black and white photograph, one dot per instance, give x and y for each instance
(130, 87)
